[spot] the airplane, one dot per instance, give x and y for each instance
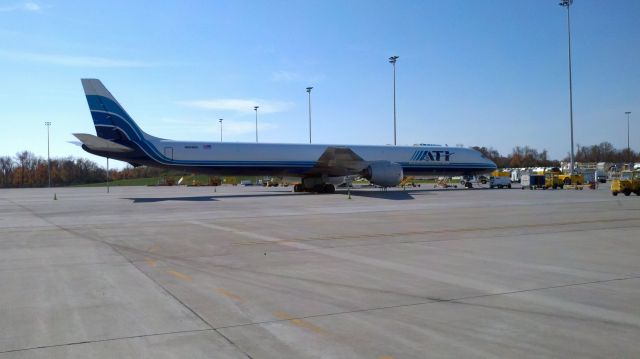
(320, 167)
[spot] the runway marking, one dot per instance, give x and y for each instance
(180, 275)
(439, 231)
(425, 272)
(299, 322)
(228, 294)
(150, 262)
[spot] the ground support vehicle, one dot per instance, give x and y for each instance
(500, 182)
(532, 181)
(571, 179)
(409, 181)
(444, 182)
(627, 183)
(552, 180)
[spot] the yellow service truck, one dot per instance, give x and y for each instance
(627, 182)
(556, 179)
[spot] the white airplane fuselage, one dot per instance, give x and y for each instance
(119, 137)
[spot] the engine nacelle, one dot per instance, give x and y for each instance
(384, 173)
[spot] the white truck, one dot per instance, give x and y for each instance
(499, 182)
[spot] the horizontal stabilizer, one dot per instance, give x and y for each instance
(100, 144)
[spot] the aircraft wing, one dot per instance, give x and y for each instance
(339, 161)
(100, 144)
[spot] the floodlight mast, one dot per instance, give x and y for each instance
(309, 92)
(255, 108)
(567, 4)
(393, 60)
(220, 120)
(628, 113)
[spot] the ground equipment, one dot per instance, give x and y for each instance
(628, 182)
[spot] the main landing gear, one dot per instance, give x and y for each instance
(318, 188)
(315, 185)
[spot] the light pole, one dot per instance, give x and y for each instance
(393, 60)
(628, 113)
(220, 120)
(309, 92)
(48, 124)
(567, 4)
(256, 109)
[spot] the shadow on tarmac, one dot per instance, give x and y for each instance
(207, 198)
(391, 195)
(395, 195)
(162, 199)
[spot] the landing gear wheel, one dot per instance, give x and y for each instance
(614, 193)
(328, 188)
(318, 188)
(298, 188)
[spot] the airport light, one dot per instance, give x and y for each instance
(628, 113)
(255, 108)
(220, 120)
(309, 92)
(567, 4)
(48, 124)
(393, 60)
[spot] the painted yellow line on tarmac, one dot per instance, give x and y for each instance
(299, 322)
(228, 294)
(150, 262)
(180, 275)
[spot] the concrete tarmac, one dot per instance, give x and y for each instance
(178, 272)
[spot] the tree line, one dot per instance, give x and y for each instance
(525, 156)
(25, 169)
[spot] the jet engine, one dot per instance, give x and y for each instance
(384, 173)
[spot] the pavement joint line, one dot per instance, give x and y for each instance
(299, 322)
(444, 231)
(106, 340)
(369, 261)
(430, 301)
(115, 247)
(425, 242)
(422, 241)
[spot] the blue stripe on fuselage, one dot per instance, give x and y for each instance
(105, 113)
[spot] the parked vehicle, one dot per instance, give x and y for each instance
(499, 182)
(629, 182)
(532, 181)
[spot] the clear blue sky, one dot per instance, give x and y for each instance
(488, 73)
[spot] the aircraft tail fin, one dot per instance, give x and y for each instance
(110, 119)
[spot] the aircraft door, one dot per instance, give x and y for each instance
(168, 152)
